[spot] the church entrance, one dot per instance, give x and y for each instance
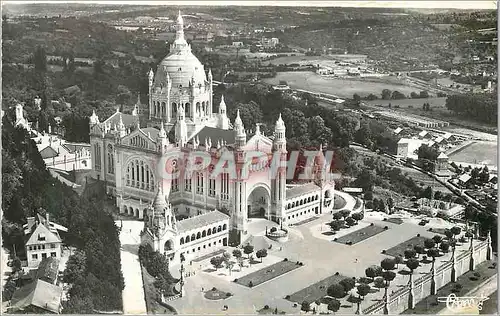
(258, 203)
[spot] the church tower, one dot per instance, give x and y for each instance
(223, 122)
(162, 141)
(239, 216)
(93, 119)
(278, 183)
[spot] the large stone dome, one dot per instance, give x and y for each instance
(182, 66)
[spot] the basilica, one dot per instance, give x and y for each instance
(194, 216)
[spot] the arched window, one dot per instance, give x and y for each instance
(199, 182)
(187, 109)
(182, 241)
(209, 232)
(204, 233)
(214, 230)
(187, 239)
(193, 237)
(97, 152)
(111, 160)
(163, 109)
(198, 236)
(219, 228)
(140, 175)
(198, 109)
(174, 110)
(224, 227)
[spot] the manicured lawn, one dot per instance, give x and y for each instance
(267, 273)
(215, 294)
(306, 221)
(395, 220)
(338, 202)
(430, 305)
(477, 152)
(315, 291)
(400, 249)
(360, 235)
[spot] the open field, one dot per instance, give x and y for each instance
(344, 87)
(477, 153)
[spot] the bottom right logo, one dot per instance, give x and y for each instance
(457, 304)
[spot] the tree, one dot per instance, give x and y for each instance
(388, 276)
(444, 246)
(334, 305)
(410, 253)
(396, 95)
(348, 284)
(262, 253)
(356, 97)
(379, 282)
(363, 290)
(337, 215)
(336, 290)
(40, 59)
(456, 231)
(390, 203)
(429, 243)
(412, 264)
(388, 264)
(437, 239)
(305, 306)
(75, 267)
(248, 249)
(237, 253)
(414, 95)
(424, 94)
(398, 260)
(386, 94)
(419, 249)
(335, 225)
(345, 213)
(358, 216)
(373, 271)
(433, 253)
(350, 221)
(16, 264)
(217, 262)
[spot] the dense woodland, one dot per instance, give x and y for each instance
(480, 107)
(95, 270)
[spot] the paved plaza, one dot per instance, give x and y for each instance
(321, 258)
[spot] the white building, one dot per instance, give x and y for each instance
(60, 154)
(408, 147)
(43, 240)
(125, 155)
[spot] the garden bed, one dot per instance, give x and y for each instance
(215, 294)
(267, 273)
(360, 235)
(399, 250)
(315, 291)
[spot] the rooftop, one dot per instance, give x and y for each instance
(201, 220)
(301, 190)
(215, 134)
(42, 234)
(40, 294)
(48, 270)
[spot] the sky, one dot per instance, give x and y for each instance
(452, 4)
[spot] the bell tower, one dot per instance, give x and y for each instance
(278, 183)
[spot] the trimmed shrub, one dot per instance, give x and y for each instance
(336, 273)
(371, 224)
(214, 289)
(287, 297)
(383, 251)
(386, 228)
(235, 280)
(285, 260)
(266, 306)
(418, 235)
(250, 284)
(228, 294)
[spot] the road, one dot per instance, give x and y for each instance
(133, 293)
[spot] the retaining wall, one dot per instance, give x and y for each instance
(399, 300)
